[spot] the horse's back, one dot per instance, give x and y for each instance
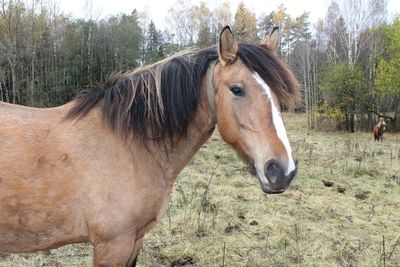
(24, 134)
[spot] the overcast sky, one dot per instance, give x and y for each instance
(158, 8)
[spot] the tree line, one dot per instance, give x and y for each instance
(347, 63)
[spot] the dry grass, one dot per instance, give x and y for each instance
(218, 215)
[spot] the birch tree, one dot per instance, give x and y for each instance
(355, 17)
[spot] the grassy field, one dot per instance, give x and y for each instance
(218, 215)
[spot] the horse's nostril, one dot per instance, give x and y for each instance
(296, 162)
(273, 171)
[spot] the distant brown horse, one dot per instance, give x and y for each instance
(379, 128)
(100, 169)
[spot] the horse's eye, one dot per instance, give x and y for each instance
(237, 91)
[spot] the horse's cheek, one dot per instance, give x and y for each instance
(227, 131)
(225, 119)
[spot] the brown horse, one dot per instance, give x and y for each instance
(100, 169)
(379, 128)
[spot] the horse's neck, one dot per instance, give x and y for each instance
(174, 157)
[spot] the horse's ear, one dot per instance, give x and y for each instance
(228, 47)
(273, 39)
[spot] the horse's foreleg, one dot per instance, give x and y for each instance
(118, 252)
(136, 250)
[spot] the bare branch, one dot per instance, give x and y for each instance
(380, 115)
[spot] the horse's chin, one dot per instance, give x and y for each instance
(251, 168)
(265, 185)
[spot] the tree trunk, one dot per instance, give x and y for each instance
(352, 116)
(347, 121)
(1, 92)
(32, 77)
(352, 123)
(306, 93)
(13, 81)
(396, 121)
(89, 55)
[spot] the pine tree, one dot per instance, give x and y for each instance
(204, 38)
(245, 25)
(153, 44)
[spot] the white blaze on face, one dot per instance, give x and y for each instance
(278, 123)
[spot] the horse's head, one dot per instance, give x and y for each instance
(382, 125)
(250, 84)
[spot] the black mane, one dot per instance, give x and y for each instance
(153, 102)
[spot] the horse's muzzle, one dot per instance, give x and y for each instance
(278, 182)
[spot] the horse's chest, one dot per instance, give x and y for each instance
(164, 206)
(157, 214)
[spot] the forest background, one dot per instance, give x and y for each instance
(348, 62)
